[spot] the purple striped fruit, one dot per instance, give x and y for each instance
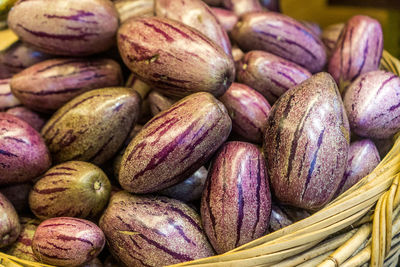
(362, 160)
(34, 119)
(174, 144)
(7, 99)
(330, 36)
(196, 14)
(50, 84)
(269, 74)
(23, 153)
(226, 18)
(18, 57)
(358, 50)
(280, 35)
(236, 201)
(159, 103)
(71, 189)
(92, 126)
(66, 241)
(271, 5)
(190, 189)
(84, 27)
(240, 7)
(372, 103)
(18, 195)
(174, 58)
(134, 8)
(306, 143)
(9, 222)
(22, 247)
(153, 231)
(248, 110)
(143, 89)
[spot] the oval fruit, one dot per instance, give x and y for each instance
(9, 222)
(7, 98)
(372, 103)
(71, 189)
(189, 189)
(174, 144)
(23, 153)
(153, 231)
(306, 143)
(92, 126)
(358, 50)
(34, 119)
(66, 241)
(282, 36)
(196, 14)
(84, 27)
(330, 35)
(362, 160)
(248, 110)
(236, 201)
(270, 75)
(50, 84)
(174, 58)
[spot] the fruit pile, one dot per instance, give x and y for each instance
(137, 124)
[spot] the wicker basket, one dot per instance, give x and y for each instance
(360, 227)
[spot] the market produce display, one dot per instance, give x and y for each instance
(206, 133)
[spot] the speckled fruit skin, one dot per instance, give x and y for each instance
(7, 99)
(9, 222)
(153, 231)
(240, 7)
(236, 201)
(18, 195)
(128, 9)
(159, 103)
(18, 57)
(71, 189)
(22, 247)
(306, 143)
(196, 14)
(189, 189)
(92, 126)
(23, 153)
(314, 27)
(358, 50)
(330, 35)
(48, 85)
(269, 74)
(34, 119)
(66, 241)
(248, 110)
(226, 18)
(280, 35)
(174, 144)
(372, 103)
(84, 27)
(362, 160)
(174, 58)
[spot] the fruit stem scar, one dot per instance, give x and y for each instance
(97, 185)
